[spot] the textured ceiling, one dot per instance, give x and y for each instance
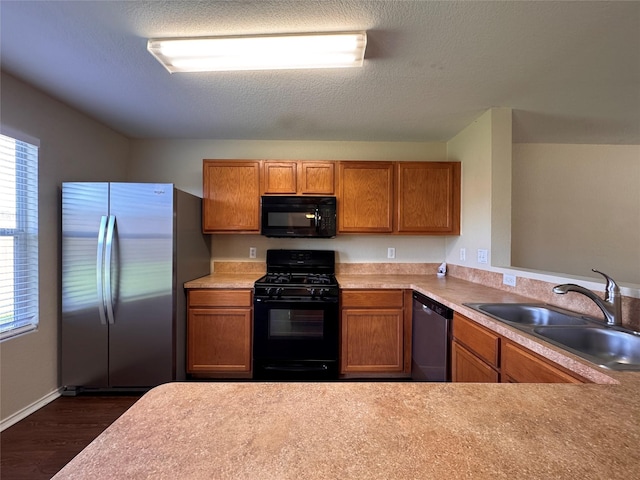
(569, 70)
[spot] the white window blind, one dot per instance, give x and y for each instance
(18, 237)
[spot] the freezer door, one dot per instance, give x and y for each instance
(84, 331)
(141, 312)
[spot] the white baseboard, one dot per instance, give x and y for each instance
(28, 410)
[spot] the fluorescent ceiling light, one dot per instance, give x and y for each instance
(263, 52)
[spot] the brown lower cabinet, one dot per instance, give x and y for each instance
(520, 365)
(481, 355)
(469, 368)
(219, 333)
(375, 340)
(376, 333)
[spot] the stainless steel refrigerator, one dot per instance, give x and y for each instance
(127, 249)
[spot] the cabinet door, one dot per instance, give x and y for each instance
(428, 197)
(316, 178)
(466, 367)
(484, 343)
(219, 340)
(231, 191)
(523, 366)
(372, 340)
(280, 177)
(365, 198)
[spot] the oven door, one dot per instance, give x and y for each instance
(295, 339)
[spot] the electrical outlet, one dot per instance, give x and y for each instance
(483, 256)
(509, 280)
(391, 252)
(463, 254)
(252, 252)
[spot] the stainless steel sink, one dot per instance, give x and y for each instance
(587, 337)
(604, 346)
(531, 314)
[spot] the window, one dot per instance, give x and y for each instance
(18, 237)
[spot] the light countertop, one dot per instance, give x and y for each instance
(368, 430)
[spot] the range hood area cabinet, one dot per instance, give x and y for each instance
(405, 198)
(298, 178)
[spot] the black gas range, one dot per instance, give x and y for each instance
(296, 317)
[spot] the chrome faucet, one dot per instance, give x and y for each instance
(611, 306)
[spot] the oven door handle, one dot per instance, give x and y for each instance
(297, 300)
(296, 368)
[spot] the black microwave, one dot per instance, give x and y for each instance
(292, 216)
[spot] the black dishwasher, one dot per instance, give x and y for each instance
(430, 357)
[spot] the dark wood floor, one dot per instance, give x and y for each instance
(40, 445)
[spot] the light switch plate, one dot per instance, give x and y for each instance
(391, 252)
(483, 256)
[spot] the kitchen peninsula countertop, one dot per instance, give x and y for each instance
(358, 430)
(378, 430)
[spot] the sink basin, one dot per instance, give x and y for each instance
(530, 314)
(587, 337)
(606, 347)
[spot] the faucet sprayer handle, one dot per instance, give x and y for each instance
(611, 288)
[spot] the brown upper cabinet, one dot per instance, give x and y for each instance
(421, 198)
(428, 198)
(404, 198)
(365, 197)
(231, 190)
(298, 178)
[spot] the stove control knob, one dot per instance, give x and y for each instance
(279, 291)
(268, 291)
(312, 292)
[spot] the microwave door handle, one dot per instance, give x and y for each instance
(317, 220)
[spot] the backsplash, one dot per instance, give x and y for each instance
(259, 268)
(386, 268)
(536, 289)
(543, 292)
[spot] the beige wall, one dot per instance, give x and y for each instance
(484, 148)
(72, 148)
(577, 207)
(514, 199)
(180, 161)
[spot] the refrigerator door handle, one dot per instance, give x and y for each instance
(100, 270)
(107, 270)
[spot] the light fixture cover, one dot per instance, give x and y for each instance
(262, 52)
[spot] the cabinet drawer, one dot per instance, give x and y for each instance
(478, 339)
(372, 298)
(523, 366)
(468, 368)
(220, 298)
